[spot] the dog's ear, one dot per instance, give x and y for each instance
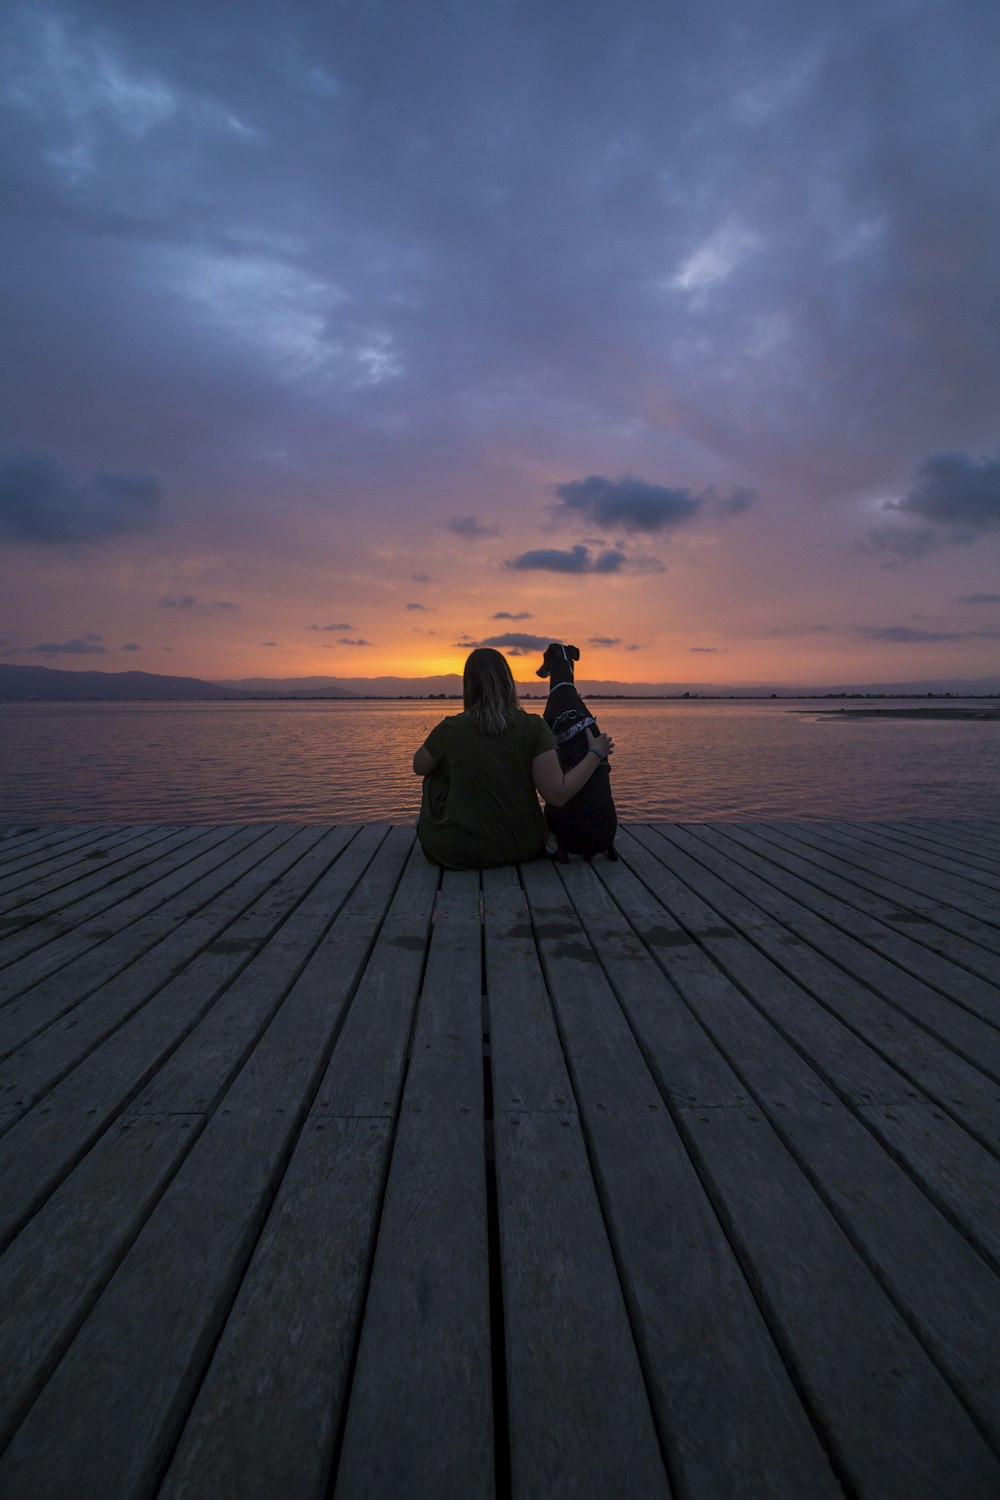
(573, 653)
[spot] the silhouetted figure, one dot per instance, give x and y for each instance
(588, 823)
(482, 769)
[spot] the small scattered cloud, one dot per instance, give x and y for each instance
(956, 489)
(956, 495)
(604, 640)
(979, 598)
(516, 642)
(505, 614)
(576, 560)
(420, 578)
(187, 601)
(704, 650)
(424, 609)
(628, 503)
(41, 504)
(736, 504)
(634, 505)
(470, 528)
(86, 645)
(795, 631)
(905, 634)
(342, 625)
(223, 604)
(132, 646)
(267, 643)
(345, 641)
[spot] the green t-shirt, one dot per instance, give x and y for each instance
(479, 806)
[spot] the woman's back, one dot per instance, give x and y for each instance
(479, 805)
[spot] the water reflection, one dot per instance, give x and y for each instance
(350, 762)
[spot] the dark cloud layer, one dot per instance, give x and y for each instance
(516, 641)
(41, 503)
(634, 505)
(759, 229)
(957, 493)
(361, 265)
(906, 634)
(86, 645)
(956, 490)
(469, 527)
(576, 560)
(628, 504)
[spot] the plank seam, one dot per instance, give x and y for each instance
(301, 1117)
(88, 1142)
(891, 1061)
(853, 937)
(725, 1229)
(854, 1108)
(352, 1361)
(844, 1224)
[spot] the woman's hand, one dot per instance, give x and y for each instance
(558, 786)
(602, 743)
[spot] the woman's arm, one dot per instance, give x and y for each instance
(423, 762)
(558, 786)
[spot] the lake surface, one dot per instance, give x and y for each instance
(351, 762)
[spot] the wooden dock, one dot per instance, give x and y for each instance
(326, 1175)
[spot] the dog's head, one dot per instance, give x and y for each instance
(557, 662)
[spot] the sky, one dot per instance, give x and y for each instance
(341, 337)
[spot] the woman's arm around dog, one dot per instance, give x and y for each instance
(557, 786)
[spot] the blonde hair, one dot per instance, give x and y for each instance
(488, 691)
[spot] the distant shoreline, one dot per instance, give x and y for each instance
(979, 716)
(940, 709)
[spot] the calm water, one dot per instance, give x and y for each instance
(350, 762)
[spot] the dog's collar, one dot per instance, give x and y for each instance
(558, 685)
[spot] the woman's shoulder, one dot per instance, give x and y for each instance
(535, 729)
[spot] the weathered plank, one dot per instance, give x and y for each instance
(102, 894)
(579, 1415)
(45, 839)
(730, 1418)
(420, 1410)
(89, 868)
(55, 1269)
(966, 972)
(853, 1174)
(916, 1057)
(266, 1417)
(968, 864)
(972, 833)
(807, 914)
(105, 1424)
(746, 1236)
(15, 839)
(62, 863)
(44, 1144)
(41, 986)
(920, 912)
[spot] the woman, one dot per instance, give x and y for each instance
(482, 769)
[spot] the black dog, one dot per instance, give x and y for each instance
(588, 823)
